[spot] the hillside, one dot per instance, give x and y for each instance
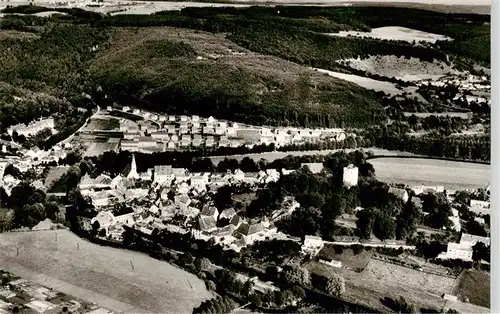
(245, 64)
(184, 71)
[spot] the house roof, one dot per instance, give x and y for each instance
(207, 223)
(474, 239)
(228, 213)
(86, 179)
(313, 238)
(236, 220)
(248, 229)
(163, 170)
(183, 199)
(209, 210)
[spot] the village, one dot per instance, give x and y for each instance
(471, 88)
(174, 199)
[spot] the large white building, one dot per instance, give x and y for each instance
(464, 249)
(351, 175)
(424, 189)
(312, 245)
(32, 128)
(166, 174)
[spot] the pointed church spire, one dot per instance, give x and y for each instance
(133, 170)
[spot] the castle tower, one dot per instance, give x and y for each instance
(133, 170)
(350, 177)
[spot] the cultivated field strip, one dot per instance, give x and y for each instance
(416, 171)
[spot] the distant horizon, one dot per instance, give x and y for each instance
(424, 2)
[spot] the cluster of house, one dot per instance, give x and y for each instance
(466, 84)
(464, 249)
(169, 132)
(33, 158)
(174, 193)
(32, 128)
(30, 297)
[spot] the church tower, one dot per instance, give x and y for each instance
(133, 170)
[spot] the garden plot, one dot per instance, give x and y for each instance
(474, 287)
(394, 33)
(101, 274)
(412, 69)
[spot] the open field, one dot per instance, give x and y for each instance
(382, 279)
(271, 156)
(99, 274)
(412, 69)
(365, 82)
(54, 175)
(416, 171)
(474, 287)
(395, 33)
(102, 124)
(97, 149)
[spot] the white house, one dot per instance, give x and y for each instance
(457, 251)
(199, 182)
(331, 262)
(350, 176)
(32, 128)
(424, 189)
(464, 249)
(105, 219)
(238, 175)
(166, 174)
(312, 245)
(227, 214)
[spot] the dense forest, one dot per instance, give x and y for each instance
(121, 59)
(181, 85)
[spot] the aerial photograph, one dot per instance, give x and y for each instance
(245, 156)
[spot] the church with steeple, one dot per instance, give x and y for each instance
(133, 170)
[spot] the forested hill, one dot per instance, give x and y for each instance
(226, 62)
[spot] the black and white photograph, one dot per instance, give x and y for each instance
(249, 156)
